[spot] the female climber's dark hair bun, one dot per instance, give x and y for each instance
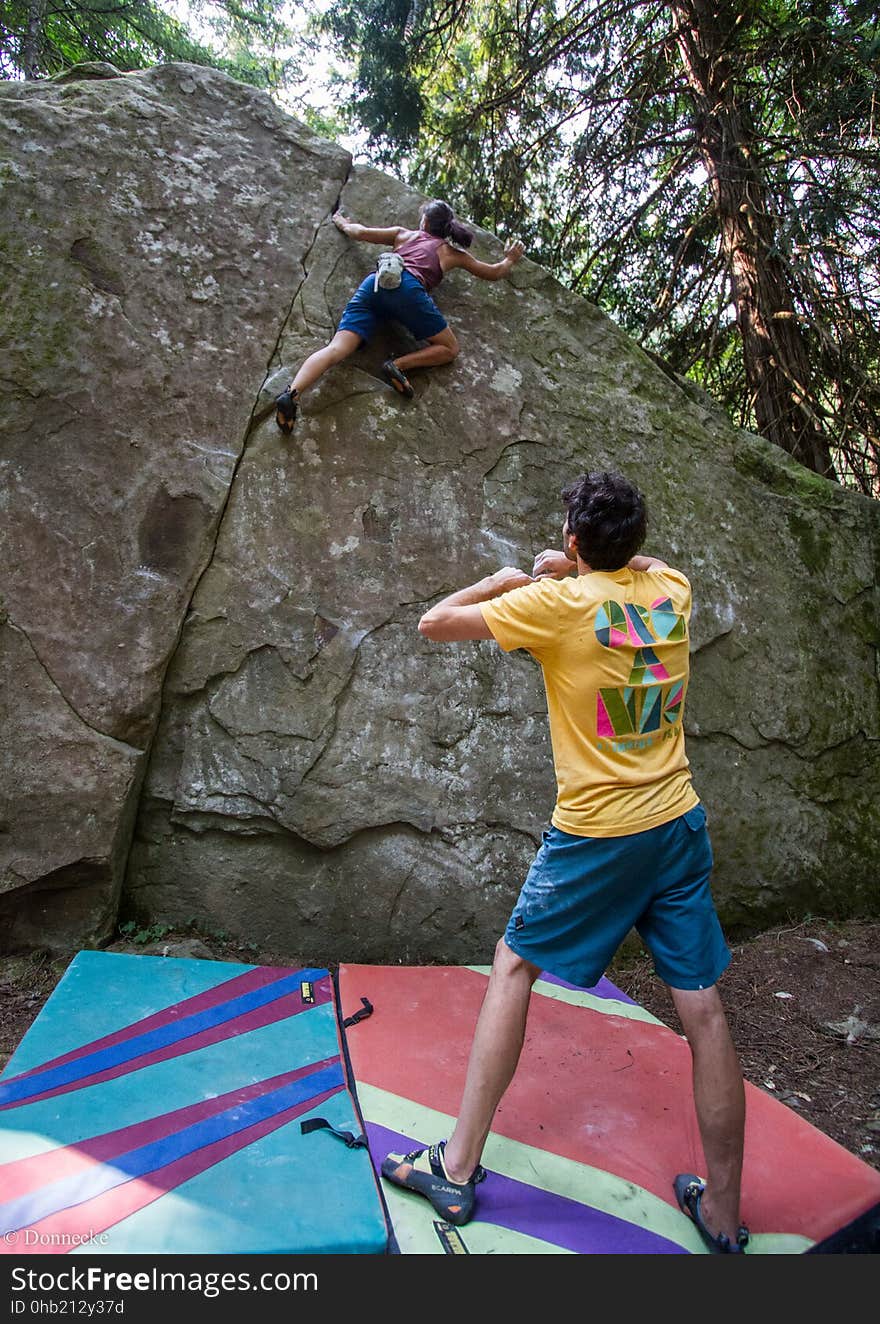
(460, 234)
(440, 221)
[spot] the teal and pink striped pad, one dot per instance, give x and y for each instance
(155, 1104)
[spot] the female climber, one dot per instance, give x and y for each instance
(428, 253)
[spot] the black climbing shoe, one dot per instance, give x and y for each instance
(689, 1193)
(286, 408)
(396, 378)
(422, 1171)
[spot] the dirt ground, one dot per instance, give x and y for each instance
(803, 1002)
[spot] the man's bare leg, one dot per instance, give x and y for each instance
(495, 1051)
(719, 1097)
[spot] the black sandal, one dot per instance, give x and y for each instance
(689, 1194)
(286, 408)
(396, 378)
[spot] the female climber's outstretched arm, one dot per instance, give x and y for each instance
(368, 235)
(483, 270)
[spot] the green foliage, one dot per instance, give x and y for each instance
(143, 934)
(388, 99)
(39, 38)
(640, 150)
(328, 124)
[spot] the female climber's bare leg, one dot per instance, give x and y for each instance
(287, 403)
(441, 348)
(340, 347)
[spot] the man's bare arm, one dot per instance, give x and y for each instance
(458, 617)
(646, 563)
(552, 564)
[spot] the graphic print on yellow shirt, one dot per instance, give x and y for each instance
(613, 648)
(642, 706)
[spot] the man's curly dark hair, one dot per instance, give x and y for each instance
(607, 515)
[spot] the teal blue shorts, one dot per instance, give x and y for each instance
(410, 304)
(582, 896)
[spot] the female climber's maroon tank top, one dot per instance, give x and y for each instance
(420, 257)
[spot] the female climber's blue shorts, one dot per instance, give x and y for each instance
(410, 304)
(582, 896)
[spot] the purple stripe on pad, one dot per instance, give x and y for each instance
(527, 1209)
(17, 1089)
(269, 1014)
(604, 988)
(159, 1152)
(221, 992)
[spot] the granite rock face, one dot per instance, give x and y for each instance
(218, 691)
(149, 254)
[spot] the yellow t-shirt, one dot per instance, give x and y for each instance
(613, 647)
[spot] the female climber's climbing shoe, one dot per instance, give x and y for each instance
(396, 378)
(689, 1193)
(423, 1171)
(286, 407)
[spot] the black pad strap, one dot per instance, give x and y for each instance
(365, 1011)
(321, 1124)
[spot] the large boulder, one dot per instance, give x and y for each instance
(186, 587)
(150, 246)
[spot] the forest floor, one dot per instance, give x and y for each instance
(803, 1002)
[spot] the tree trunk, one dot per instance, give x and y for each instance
(30, 47)
(775, 355)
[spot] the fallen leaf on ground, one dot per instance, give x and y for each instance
(853, 1028)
